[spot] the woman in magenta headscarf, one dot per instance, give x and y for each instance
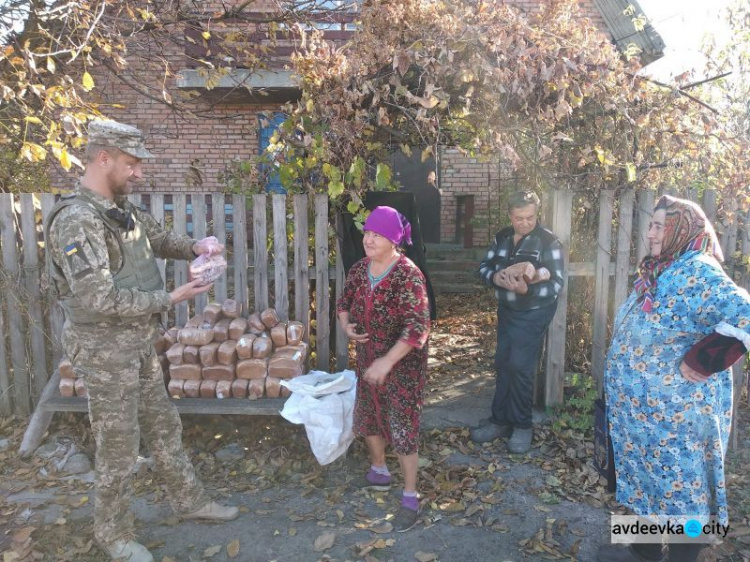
(384, 310)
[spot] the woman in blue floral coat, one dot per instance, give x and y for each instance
(669, 417)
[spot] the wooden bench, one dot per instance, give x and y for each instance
(51, 401)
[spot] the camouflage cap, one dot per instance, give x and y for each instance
(118, 135)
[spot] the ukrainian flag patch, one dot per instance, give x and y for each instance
(70, 249)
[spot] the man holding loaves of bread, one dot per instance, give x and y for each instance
(102, 268)
(525, 266)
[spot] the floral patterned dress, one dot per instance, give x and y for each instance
(396, 309)
(670, 435)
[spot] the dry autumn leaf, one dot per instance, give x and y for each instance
(324, 541)
(233, 548)
(212, 551)
(382, 528)
(425, 556)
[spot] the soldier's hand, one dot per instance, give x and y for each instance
(209, 245)
(188, 291)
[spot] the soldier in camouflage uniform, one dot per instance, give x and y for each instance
(101, 261)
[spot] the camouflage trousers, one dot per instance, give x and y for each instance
(127, 400)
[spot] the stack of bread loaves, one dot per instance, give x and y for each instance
(221, 354)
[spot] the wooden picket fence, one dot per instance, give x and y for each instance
(33, 324)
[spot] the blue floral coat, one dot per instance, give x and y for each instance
(670, 435)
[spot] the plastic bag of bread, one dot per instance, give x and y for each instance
(231, 308)
(269, 317)
(208, 268)
(262, 347)
(221, 330)
(212, 313)
(175, 354)
(239, 388)
(237, 327)
(278, 334)
(273, 387)
(65, 369)
(286, 364)
(185, 372)
(174, 388)
(67, 388)
(218, 373)
(196, 336)
(255, 388)
(252, 369)
(223, 389)
(208, 389)
(244, 346)
(80, 387)
(295, 331)
(255, 324)
(209, 353)
(190, 355)
(192, 388)
(227, 353)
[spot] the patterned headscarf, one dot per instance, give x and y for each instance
(686, 228)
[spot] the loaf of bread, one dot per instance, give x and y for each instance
(66, 369)
(174, 388)
(237, 327)
(273, 387)
(285, 392)
(262, 347)
(194, 322)
(239, 388)
(223, 389)
(196, 336)
(295, 331)
(252, 368)
(244, 347)
(278, 334)
(208, 389)
(218, 373)
(286, 364)
(190, 355)
(227, 353)
(302, 347)
(255, 388)
(269, 317)
(212, 313)
(175, 354)
(192, 388)
(255, 324)
(185, 372)
(80, 387)
(221, 330)
(208, 354)
(231, 308)
(67, 388)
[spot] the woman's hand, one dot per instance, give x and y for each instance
(350, 329)
(690, 374)
(378, 370)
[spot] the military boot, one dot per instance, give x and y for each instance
(213, 511)
(129, 550)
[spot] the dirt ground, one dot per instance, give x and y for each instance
(478, 502)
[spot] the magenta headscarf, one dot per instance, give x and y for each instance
(388, 222)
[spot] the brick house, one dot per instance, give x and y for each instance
(194, 153)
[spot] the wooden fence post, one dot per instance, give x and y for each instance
(31, 280)
(179, 220)
(239, 249)
(601, 301)
(218, 215)
(260, 252)
(6, 405)
(301, 264)
(199, 231)
(624, 236)
(555, 366)
(342, 342)
(280, 260)
(15, 316)
(645, 210)
(322, 308)
(53, 306)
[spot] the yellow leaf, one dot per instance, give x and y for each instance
(51, 65)
(206, 35)
(32, 119)
(65, 160)
(87, 82)
(212, 551)
(233, 548)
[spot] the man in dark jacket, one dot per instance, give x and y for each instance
(525, 309)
